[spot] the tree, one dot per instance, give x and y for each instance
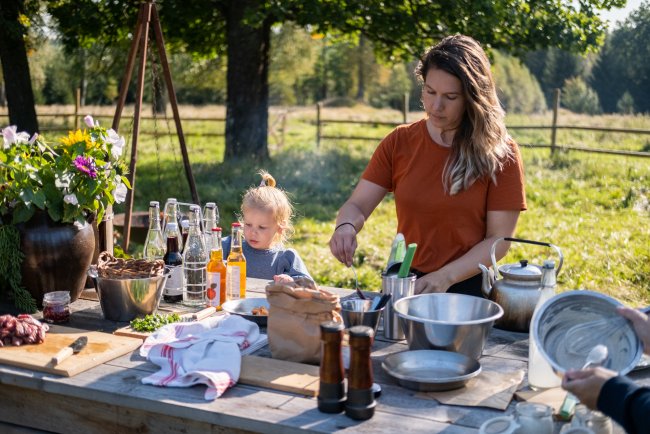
(578, 97)
(399, 29)
(15, 66)
(517, 88)
(625, 105)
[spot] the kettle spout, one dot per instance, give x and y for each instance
(488, 280)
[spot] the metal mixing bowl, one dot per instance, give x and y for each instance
(244, 307)
(559, 314)
(451, 322)
(125, 299)
(357, 312)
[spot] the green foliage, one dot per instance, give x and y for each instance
(10, 275)
(152, 322)
(517, 88)
(578, 97)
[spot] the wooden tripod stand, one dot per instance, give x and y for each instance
(147, 15)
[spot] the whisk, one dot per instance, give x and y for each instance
(583, 337)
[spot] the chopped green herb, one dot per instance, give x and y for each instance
(151, 323)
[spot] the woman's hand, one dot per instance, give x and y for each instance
(432, 282)
(343, 243)
(640, 322)
(586, 384)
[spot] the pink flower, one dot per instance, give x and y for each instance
(86, 165)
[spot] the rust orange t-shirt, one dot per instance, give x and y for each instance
(410, 164)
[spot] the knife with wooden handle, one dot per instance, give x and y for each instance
(71, 349)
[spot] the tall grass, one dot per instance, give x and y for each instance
(594, 207)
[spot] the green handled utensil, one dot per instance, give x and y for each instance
(406, 263)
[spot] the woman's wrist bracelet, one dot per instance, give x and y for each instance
(343, 224)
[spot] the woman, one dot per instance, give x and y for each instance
(457, 176)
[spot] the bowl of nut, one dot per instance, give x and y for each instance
(253, 309)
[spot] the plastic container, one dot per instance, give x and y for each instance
(56, 307)
(534, 418)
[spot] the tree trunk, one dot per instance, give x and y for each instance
(15, 69)
(247, 102)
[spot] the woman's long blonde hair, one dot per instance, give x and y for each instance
(481, 144)
(267, 197)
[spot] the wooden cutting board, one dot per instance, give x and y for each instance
(194, 316)
(280, 375)
(101, 348)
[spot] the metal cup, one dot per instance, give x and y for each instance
(397, 288)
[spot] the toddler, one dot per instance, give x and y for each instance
(266, 214)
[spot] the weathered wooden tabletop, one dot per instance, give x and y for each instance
(110, 398)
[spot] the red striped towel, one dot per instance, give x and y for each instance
(201, 352)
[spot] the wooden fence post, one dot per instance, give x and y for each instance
(556, 108)
(318, 132)
(405, 107)
(77, 103)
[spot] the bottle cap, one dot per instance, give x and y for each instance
(171, 200)
(210, 205)
(154, 203)
(216, 229)
(194, 208)
(236, 224)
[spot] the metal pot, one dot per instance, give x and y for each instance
(519, 290)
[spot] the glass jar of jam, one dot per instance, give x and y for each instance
(56, 307)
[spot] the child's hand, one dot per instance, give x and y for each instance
(282, 278)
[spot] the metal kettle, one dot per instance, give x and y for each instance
(519, 289)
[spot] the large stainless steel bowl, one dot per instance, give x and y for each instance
(558, 316)
(125, 299)
(450, 322)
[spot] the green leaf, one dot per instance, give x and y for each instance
(22, 214)
(38, 199)
(126, 182)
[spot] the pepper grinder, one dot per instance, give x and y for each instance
(331, 393)
(361, 398)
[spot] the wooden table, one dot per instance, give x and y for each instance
(111, 398)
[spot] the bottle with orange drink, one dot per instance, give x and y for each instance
(236, 265)
(216, 288)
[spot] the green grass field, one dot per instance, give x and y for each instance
(595, 207)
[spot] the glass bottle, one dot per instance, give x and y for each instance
(171, 222)
(56, 307)
(594, 420)
(236, 265)
(216, 289)
(540, 372)
(173, 292)
(154, 245)
(210, 217)
(195, 259)
(534, 418)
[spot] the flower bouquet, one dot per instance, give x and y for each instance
(72, 179)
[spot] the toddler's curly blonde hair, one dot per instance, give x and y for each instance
(267, 197)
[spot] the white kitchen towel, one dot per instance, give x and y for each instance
(201, 352)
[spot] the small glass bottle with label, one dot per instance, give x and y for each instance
(236, 265)
(195, 260)
(173, 292)
(216, 289)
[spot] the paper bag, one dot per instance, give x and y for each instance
(296, 311)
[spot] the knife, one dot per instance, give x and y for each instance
(71, 349)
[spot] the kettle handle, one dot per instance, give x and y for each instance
(519, 240)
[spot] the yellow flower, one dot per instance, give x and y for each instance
(76, 137)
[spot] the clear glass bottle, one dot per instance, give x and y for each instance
(171, 222)
(540, 372)
(236, 265)
(173, 292)
(216, 289)
(534, 418)
(209, 220)
(154, 244)
(195, 259)
(56, 307)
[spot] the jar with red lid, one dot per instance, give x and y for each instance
(56, 307)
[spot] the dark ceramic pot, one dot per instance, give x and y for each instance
(57, 255)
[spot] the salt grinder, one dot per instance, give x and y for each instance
(361, 398)
(331, 393)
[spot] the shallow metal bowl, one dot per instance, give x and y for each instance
(451, 322)
(431, 370)
(125, 299)
(244, 307)
(559, 314)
